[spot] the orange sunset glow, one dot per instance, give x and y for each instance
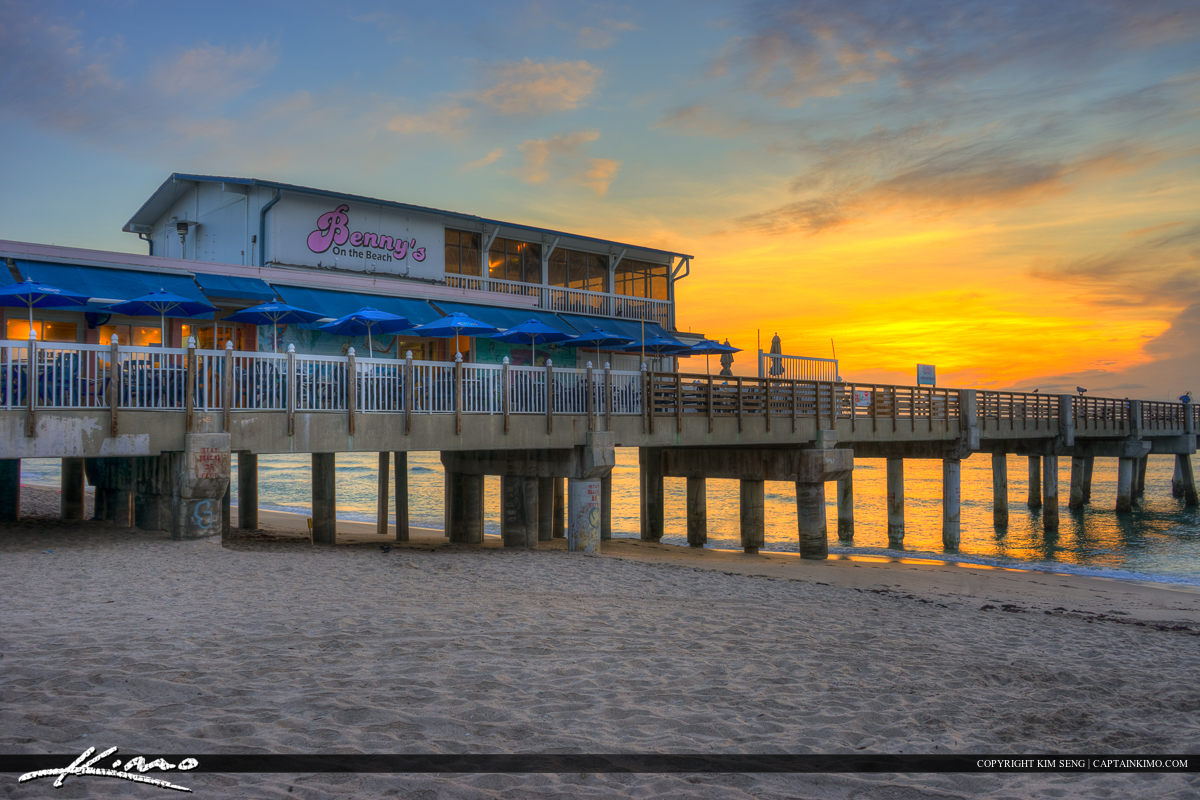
(1005, 191)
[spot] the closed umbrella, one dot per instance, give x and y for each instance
(535, 332)
(454, 325)
(366, 320)
(272, 314)
(29, 294)
(162, 303)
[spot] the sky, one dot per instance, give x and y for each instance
(1009, 191)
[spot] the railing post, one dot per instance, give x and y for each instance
(795, 403)
(590, 399)
(410, 390)
(739, 402)
(458, 393)
(504, 400)
(767, 403)
(291, 381)
(608, 395)
(227, 385)
(645, 401)
(114, 384)
(189, 386)
(351, 388)
(549, 395)
(710, 403)
(32, 384)
(678, 402)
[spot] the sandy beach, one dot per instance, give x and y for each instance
(266, 644)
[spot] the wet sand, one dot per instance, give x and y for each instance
(266, 644)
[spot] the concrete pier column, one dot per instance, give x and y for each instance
(247, 490)
(1000, 490)
(606, 507)
(10, 489)
(324, 498)
(845, 508)
(560, 508)
(1139, 477)
(121, 508)
(697, 512)
(466, 493)
(895, 503)
(1075, 498)
(951, 504)
(545, 515)
(753, 494)
(226, 511)
(1089, 463)
(101, 500)
(1125, 467)
(400, 467)
(1035, 483)
(381, 496)
(1050, 493)
(650, 464)
(1177, 480)
(583, 512)
(518, 512)
(200, 478)
(1187, 479)
(154, 491)
(72, 489)
(810, 520)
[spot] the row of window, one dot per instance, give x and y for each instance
(512, 260)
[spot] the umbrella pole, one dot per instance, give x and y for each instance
(162, 328)
(370, 348)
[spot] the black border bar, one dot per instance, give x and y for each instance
(627, 763)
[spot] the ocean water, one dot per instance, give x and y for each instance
(1160, 541)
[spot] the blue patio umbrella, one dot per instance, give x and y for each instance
(367, 320)
(597, 338)
(709, 347)
(30, 294)
(659, 346)
(535, 332)
(161, 303)
(454, 325)
(273, 313)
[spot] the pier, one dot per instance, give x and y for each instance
(155, 429)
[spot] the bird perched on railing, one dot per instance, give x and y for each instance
(1081, 390)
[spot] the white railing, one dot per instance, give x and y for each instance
(572, 301)
(797, 368)
(527, 390)
(320, 383)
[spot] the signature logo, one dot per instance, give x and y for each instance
(131, 770)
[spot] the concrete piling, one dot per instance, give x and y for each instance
(10, 489)
(697, 512)
(247, 491)
(1183, 463)
(1075, 499)
(467, 493)
(72, 489)
(1000, 490)
(810, 520)
(606, 507)
(400, 467)
(651, 471)
(381, 497)
(753, 495)
(518, 513)
(1125, 468)
(1089, 463)
(545, 516)
(324, 498)
(951, 504)
(895, 503)
(845, 508)
(1050, 493)
(560, 508)
(1035, 483)
(583, 530)
(1139, 477)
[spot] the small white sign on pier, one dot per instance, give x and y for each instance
(926, 375)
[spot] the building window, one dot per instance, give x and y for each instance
(511, 260)
(643, 279)
(578, 270)
(136, 335)
(47, 330)
(204, 336)
(462, 252)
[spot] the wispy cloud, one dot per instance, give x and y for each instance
(599, 174)
(534, 87)
(491, 158)
(542, 154)
(449, 119)
(208, 72)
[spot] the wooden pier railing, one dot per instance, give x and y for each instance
(114, 377)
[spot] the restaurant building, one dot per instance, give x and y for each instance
(236, 242)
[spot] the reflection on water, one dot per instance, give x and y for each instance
(1160, 539)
